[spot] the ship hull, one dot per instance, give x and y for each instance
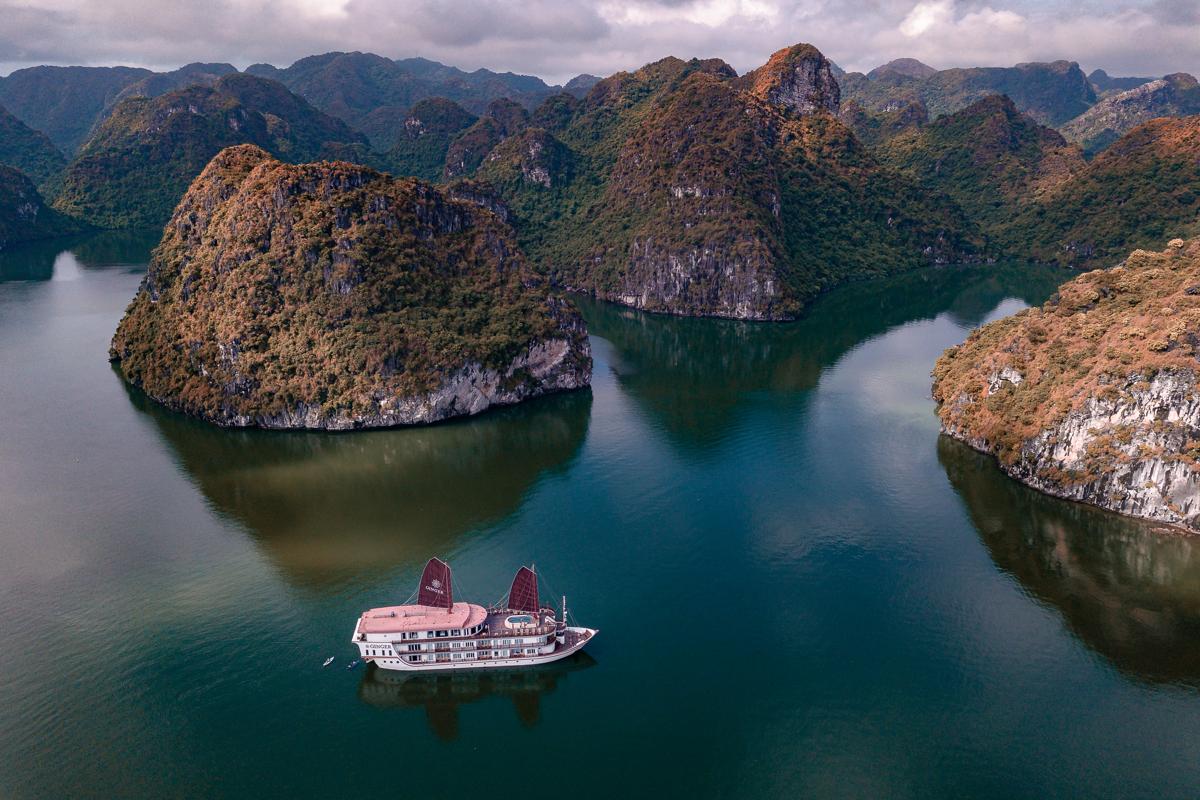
(398, 665)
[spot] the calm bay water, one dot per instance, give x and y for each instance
(801, 589)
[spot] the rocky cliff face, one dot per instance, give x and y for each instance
(333, 296)
(1093, 397)
(683, 189)
(1175, 95)
(797, 78)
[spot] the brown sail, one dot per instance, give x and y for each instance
(523, 596)
(434, 589)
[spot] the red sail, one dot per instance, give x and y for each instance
(434, 589)
(523, 596)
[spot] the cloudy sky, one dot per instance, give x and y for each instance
(560, 38)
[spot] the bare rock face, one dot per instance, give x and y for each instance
(681, 188)
(1094, 397)
(332, 296)
(798, 78)
(1174, 95)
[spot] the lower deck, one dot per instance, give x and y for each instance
(481, 657)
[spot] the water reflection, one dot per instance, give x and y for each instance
(63, 258)
(1127, 590)
(690, 374)
(328, 507)
(442, 694)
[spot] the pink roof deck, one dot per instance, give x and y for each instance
(397, 619)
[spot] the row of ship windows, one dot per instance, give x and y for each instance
(529, 651)
(474, 645)
(442, 634)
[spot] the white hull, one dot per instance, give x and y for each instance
(399, 665)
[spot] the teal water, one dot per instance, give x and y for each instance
(801, 590)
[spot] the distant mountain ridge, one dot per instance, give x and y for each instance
(1106, 84)
(1035, 196)
(374, 94)
(65, 102)
(144, 155)
(371, 93)
(1051, 93)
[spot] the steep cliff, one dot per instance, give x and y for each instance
(1094, 396)
(682, 188)
(333, 296)
(797, 78)
(1175, 95)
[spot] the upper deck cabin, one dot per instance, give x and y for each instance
(461, 619)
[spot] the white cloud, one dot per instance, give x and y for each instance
(927, 15)
(322, 9)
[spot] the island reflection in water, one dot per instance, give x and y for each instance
(1128, 590)
(61, 259)
(691, 375)
(328, 508)
(442, 694)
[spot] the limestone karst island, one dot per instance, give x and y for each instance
(383, 386)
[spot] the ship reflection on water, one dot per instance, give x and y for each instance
(441, 694)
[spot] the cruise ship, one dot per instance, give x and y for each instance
(437, 633)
